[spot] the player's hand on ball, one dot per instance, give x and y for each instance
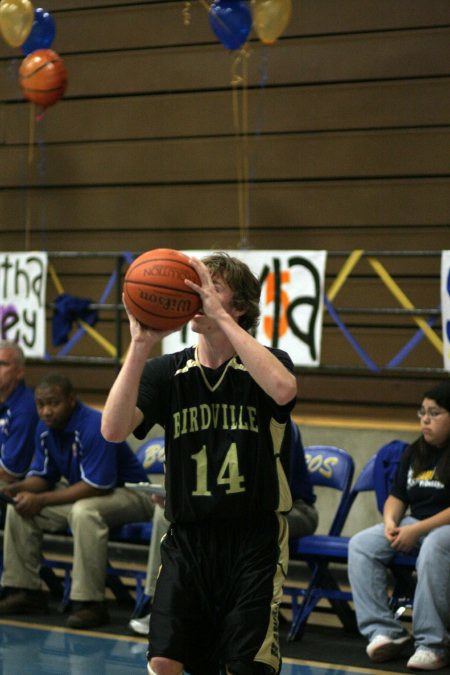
(140, 333)
(211, 302)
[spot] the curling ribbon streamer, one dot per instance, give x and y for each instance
(186, 13)
(418, 337)
(406, 304)
(349, 337)
(240, 118)
(31, 142)
(346, 270)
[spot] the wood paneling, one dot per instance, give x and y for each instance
(337, 215)
(291, 157)
(368, 105)
(337, 58)
(346, 136)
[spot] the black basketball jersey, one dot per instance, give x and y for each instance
(223, 437)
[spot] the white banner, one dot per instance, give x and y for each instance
(23, 282)
(445, 304)
(291, 303)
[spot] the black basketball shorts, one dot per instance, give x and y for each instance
(218, 592)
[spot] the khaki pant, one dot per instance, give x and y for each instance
(302, 519)
(90, 521)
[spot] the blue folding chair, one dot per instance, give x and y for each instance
(332, 468)
(321, 550)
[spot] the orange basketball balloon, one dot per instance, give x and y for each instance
(43, 77)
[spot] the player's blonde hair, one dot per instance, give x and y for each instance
(244, 284)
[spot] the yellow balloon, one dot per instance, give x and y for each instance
(270, 18)
(16, 21)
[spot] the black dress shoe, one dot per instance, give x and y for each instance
(88, 615)
(23, 601)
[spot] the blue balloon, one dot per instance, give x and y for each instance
(231, 21)
(42, 32)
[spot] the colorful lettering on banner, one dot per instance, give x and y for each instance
(445, 305)
(291, 302)
(23, 281)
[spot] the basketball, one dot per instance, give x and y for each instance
(155, 292)
(43, 77)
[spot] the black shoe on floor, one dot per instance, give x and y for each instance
(23, 601)
(88, 615)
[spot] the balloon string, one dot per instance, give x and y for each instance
(240, 119)
(31, 142)
(31, 133)
(186, 13)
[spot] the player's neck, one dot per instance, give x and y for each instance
(212, 353)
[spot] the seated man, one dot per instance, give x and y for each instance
(18, 416)
(303, 517)
(76, 480)
(302, 520)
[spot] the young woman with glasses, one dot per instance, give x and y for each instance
(416, 519)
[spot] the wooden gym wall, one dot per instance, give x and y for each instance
(348, 148)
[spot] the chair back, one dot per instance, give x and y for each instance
(151, 455)
(332, 468)
(378, 473)
(365, 480)
(386, 464)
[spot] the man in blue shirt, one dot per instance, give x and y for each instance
(18, 415)
(76, 480)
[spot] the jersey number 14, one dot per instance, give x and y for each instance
(228, 474)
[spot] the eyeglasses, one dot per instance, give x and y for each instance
(433, 413)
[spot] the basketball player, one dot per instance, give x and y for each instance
(224, 405)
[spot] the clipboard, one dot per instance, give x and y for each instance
(151, 488)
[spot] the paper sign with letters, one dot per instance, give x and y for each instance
(291, 303)
(23, 282)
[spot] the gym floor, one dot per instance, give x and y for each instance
(36, 649)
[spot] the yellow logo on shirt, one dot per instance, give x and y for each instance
(425, 475)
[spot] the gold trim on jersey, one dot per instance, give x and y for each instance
(195, 363)
(269, 652)
(277, 431)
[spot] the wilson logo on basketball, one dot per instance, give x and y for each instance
(155, 291)
(171, 304)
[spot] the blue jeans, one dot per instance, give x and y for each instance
(369, 556)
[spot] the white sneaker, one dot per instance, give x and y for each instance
(383, 648)
(140, 626)
(427, 659)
